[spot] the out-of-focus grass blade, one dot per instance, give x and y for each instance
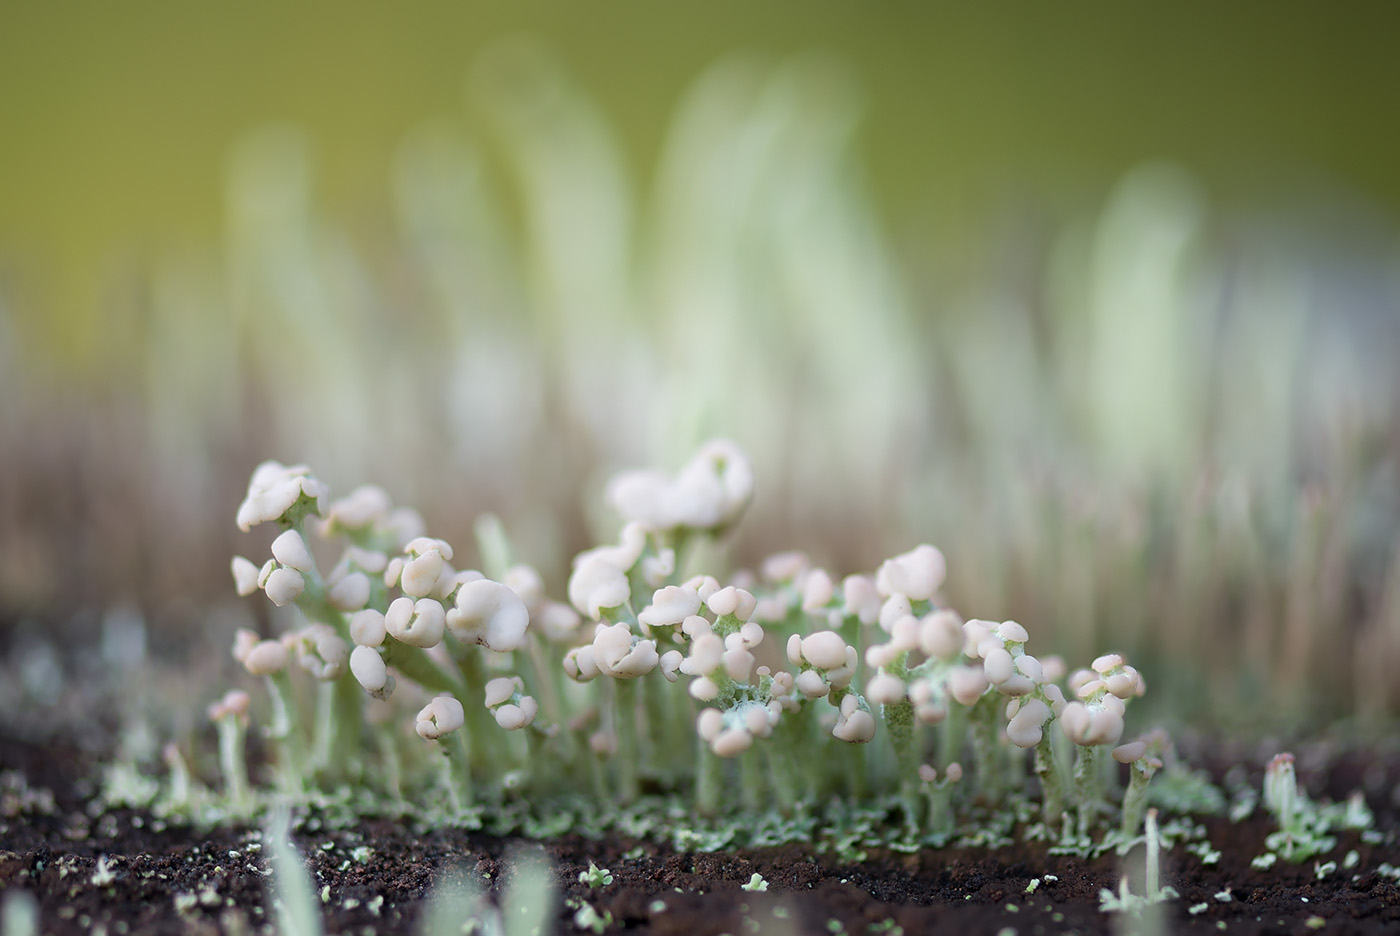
(529, 898)
(294, 897)
(20, 915)
(458, 905)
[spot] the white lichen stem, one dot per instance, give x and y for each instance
(938, 797)
(709, 779)
(781, 778)
(390, 764)
(181, 788)
(1047, 771)
(1154, 849)
(285, 733)
(544, 680)
(985, 749)
(457, 770)
(415, 664)
(233, 764)
(323, 729)
(1135, 797)
(901, 728)
(1086, 786)
(751, 781)
(624, 711)
(488, 747)
(493, 545)
(346, 729)
(952, 735)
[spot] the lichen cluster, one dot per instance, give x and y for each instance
(779, 687)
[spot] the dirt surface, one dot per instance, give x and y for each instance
(125, 872)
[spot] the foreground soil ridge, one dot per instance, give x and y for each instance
(119, 871)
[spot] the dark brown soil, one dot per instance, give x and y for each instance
(124, 872)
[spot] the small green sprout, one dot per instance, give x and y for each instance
(595, 876)
(1202, 849)
(587, 918)
(756, 883)
(103, 875)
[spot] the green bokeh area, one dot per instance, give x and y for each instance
(1100, 299)
(117, 119)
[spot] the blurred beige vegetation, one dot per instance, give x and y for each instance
(1139, 416)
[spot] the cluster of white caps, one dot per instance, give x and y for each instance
(395, 591)
(708, 494)
(389, 564)
(316, 648)
(504, 697)
(964, 661)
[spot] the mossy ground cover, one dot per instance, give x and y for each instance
(95, 869)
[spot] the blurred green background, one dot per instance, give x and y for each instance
(118, 121)
(1103, 300)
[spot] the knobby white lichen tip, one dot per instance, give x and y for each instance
(670, 606)
(350, 593)
(1025, 727)
(598, 584)
(511, 708)
(617, 652)
(290, 550)
(283, 586)
(917, 574)
(441, 716)
(854, 724)
(320, 651)
(709, 493)
(265, 658)
(370, 671)
(245, 576)
(234, 704)
(361, 508)
(418, 623)
(490, 614)
(274, 489)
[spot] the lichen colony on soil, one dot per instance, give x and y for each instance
(773, 691)
(778, 750)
